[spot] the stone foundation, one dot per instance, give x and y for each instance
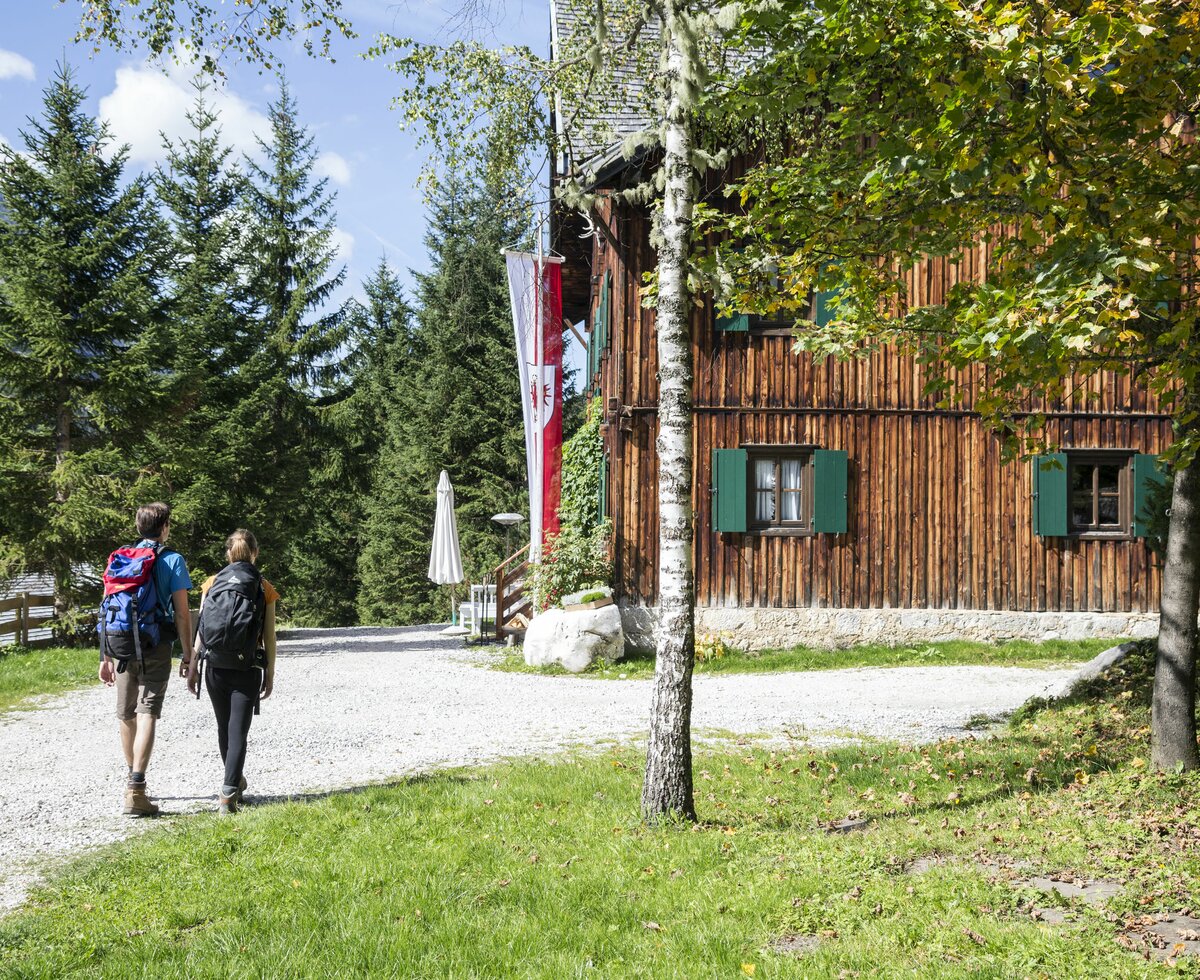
(763, 629)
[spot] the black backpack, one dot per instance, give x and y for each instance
(231, 619)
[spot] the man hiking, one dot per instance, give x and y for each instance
(136, 644)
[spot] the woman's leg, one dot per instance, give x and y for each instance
(219, 693)
(244, 696)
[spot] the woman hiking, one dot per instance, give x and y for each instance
(235, 636)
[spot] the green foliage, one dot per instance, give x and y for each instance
(1065, 790)
(712, 646)
(300, 368)
(582, 457)
(895, 131)
(455, 404)
(211, 438)
(81, 329)
(572, 560)
(353, 432)
(200, 28)
(577, 557)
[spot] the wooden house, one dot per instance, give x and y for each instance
(835, 502)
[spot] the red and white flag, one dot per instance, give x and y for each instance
(535, 290)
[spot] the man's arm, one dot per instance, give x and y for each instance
(183, 623)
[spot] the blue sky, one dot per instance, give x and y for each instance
(371, 164)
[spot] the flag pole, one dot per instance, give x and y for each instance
(539, 434)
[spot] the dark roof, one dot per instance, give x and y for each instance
(592, 135)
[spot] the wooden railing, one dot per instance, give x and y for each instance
(513, 608)
(24, 604)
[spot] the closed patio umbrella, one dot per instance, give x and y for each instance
(445, 561)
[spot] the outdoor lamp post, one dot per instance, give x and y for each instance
(508, 522)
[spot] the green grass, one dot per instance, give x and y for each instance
(27, 673)
(1015, 653)
(535, 869)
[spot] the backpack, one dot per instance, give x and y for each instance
(232, 617)
(129, 616)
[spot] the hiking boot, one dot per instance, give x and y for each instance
(137, 803)
(241, 790)
(227, 805)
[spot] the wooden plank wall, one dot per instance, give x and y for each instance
(936, 519)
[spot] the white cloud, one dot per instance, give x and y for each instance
(13, 65)
(343, 241)
(334, 166)
(147, 103)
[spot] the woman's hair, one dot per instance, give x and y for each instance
(241, 546)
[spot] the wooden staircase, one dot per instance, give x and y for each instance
(514, 608)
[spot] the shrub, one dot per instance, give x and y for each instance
(572, 560)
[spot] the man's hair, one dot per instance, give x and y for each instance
(241, 546)
(152, 518)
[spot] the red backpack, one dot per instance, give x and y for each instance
(129, 619)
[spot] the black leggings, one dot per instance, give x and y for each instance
(233, 693)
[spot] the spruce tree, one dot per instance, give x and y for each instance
(219, 431)
(293, 280)
(458, 408)
(379, 353)
(81, 372)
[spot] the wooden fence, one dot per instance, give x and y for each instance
(29, 618)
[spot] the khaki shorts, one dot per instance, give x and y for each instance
(141, 688)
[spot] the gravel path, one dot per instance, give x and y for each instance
(356, 706)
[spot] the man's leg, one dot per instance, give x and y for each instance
(128, 733)
(143, 743)
(152, 689)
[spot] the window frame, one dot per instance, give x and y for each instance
(1101, 457)
(764, 325)
(778, 527)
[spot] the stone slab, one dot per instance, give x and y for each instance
(1091, 892)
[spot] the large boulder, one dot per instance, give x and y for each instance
(576, 640)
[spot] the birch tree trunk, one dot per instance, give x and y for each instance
(667, 790)
(1173, 711)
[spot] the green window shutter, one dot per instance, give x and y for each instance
(823, 312)
(823, 302)
(738, 323)
(830, 488)
(591, 355)
(601, 326)
(1050, 503)
(602, 500)
(729, 490)
(1148, 473)
(606, 320)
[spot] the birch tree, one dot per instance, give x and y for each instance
(674, 48)
(1065, 135)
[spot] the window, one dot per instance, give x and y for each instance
(795, 489)
(1099, 485)
(781, 323)
(781, 491)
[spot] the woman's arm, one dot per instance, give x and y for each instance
(269, 646)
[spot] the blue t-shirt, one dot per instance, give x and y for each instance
(170, 575)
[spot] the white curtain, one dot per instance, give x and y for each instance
(764, 487)
(789, 475)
